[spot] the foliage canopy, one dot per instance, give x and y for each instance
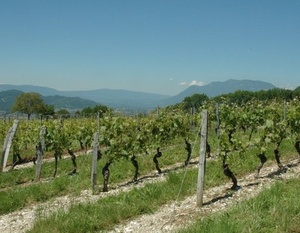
(30, 103)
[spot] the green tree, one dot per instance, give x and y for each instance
(63, 113)
(194, 101)
(94, 111)
(48, 110)
(29, 103)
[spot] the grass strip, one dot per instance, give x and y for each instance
(103, 215)
(106, 212)
(274, 210)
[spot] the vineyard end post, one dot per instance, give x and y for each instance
(40, 152)
(201, 170)
(94, 162)
(7, 144)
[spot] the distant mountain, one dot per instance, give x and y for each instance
(120, 99)
(132, 100)
(7, 99)
(218, 88)
(70, 103)
(117, 99)
(45, 91)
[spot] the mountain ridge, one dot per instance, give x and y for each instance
(218, 88)
(134, 100)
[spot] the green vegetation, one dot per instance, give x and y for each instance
(195, 101)
(106, 212)
(20, 181)
(264, 129)
(93, 111)
(243, 97)
(273, 210)
(30, 103)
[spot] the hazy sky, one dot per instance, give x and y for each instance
(156, 46)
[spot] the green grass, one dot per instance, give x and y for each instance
(113, 210)
(17, 198)
(274, 210)
(106, 212)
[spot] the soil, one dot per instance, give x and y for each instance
(172, 216)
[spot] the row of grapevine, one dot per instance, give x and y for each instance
(254, 124)
(258, 125)
(120, 137)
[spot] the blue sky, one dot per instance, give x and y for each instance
(156, 46)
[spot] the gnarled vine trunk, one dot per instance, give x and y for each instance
(157, 155)
(208, 150)
(188, 148)
(106, 174)
(277, 154)
(263, 159)
(73, 158)
(17, 160)
(136, 165)
(227, 172)
(56, 155)
(277, 158)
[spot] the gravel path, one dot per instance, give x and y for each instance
(168, 218)
(171, 218)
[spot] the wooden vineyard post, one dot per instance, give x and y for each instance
(218, 126)
(99, 114)
(7, 144)
(94, 162)
(201, 171)
(284, 110)
(40, 152)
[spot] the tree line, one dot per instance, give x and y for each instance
(239, 97)
(32, 103)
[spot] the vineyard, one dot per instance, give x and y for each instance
(105, 152)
